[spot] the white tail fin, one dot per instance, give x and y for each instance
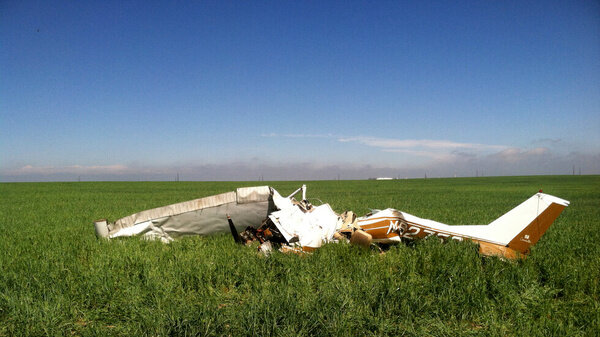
(523, 226)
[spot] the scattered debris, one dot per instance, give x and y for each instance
(289, 225)
(361, 238)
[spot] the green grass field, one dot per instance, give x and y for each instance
(56, 278)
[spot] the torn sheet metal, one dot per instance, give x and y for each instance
(312, 227)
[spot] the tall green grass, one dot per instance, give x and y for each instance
(56, 278)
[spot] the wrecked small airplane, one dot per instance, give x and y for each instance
(298, 226)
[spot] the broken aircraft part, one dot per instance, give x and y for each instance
(298, 226)
(234, 232)
(249, 206)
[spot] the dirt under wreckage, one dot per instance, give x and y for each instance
(276, 222)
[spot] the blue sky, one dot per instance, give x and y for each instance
(141, 90)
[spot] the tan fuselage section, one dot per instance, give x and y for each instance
(393, 229)
(383, 232)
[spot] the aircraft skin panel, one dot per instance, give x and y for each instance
(379, 231)
(416, 228)
(533, 232)
(490, 249)
(430, 227)
(506, 227)
(249, 206)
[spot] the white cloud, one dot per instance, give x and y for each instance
(551, 141)
(296, 135)
(435, 150)
(72, 169)
(428, 148)
(422, 153)
(513, 155)
(390, 143)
